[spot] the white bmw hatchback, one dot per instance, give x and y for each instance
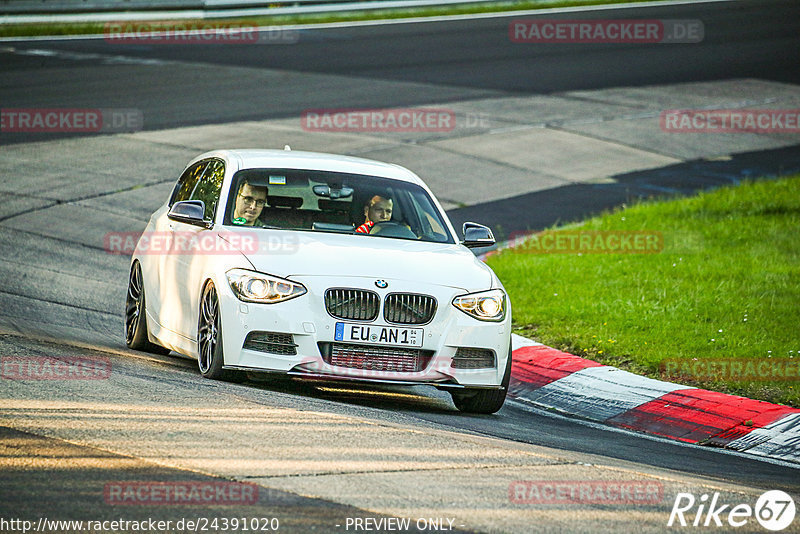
(319, 266)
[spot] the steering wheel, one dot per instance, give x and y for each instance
(392, 229)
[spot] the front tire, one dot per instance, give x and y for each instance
(136, 315)
(484, 401)
(209, 336)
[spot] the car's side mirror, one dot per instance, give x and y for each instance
(477, 235)
(189, 212)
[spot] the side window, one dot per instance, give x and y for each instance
(187, 182)
(209, 186)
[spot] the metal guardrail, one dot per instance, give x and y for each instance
(77, 6)
(10, 7)
(57, 11)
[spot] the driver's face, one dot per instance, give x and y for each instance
(379, 210)
(249, 203)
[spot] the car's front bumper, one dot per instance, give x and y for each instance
(305, 318)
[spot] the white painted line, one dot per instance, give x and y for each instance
(107, 59)
(779, 439)
(600, 393)
(517, 342)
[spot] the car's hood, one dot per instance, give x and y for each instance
(300, 254)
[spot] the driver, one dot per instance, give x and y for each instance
(377, 209)
(249, 203)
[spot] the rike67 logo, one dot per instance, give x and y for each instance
(774, 510)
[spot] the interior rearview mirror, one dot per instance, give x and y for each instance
(324, 190)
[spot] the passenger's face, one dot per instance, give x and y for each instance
(379, 211)
(249, 203)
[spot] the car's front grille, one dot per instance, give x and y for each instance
(272, 342)
(408, 308)
(470, 358)
(375, 357)
(352, 304)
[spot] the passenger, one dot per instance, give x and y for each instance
(377, 209)
(249, 203)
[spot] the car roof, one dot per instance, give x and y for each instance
(297, 159)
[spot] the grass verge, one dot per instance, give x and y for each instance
(724, 288)
(98, 28)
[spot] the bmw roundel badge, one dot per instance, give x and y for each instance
(381, 284)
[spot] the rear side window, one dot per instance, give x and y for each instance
(187, 182)
(201, 181)
(209, 186)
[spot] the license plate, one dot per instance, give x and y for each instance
(379, 335)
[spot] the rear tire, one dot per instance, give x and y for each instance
(484, 401)
(136, 315)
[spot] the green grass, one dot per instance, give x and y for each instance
(98, 28)
(725, 286)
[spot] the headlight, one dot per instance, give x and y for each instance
(251, 286)
(486, 305)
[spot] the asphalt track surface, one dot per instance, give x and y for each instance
(434, 62)
(396, 65)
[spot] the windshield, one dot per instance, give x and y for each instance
(342, 203)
